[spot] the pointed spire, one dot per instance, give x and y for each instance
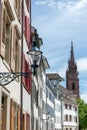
(72, 52)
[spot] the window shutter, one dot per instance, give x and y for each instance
(23, 70)
(30, 81)
(26, 80)
(23, 123)
(27, 121)
(18, 118)
(23, 22)
(13, 48)
(27, 3)
(29, 78)
(27, 29)
(12, 115)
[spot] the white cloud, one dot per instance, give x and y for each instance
(41, 2)
(82, 64)
(49, 3)
(72, 6)
(62, 71)
(52, 4)
(84, 97)
(80, 5)
(64, 22)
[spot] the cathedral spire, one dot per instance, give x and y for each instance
(72, 53)
(72, 80)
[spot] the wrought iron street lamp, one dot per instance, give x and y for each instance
(36, 56)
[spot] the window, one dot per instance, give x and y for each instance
(6, 36)
(66, 106)
(17, 7)
(5, 44)
(75, 108)
(15, 49)
(73, 86)
(50, 110)
(70, 106)
(75, 119)
(66, 117)
(3, 113)
(51, 97)
(70, 118)
(14, 115)
(17, 54)
(66, 128)
(5, 109)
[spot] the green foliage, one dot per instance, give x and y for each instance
(82, 109)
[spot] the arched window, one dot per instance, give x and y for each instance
(70, 118)
(73, 86)
(66, 117)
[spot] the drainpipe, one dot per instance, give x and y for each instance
(61, 113)
(0, 105)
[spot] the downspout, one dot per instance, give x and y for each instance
(61, 113)
(21, 86)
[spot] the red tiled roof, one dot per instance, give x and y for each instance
(68, 96)
(54, 76)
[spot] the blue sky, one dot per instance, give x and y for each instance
(59, 22)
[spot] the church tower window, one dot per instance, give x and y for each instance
(73, 86)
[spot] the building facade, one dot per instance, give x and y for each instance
(54, 80)
(70, 116)
(50, 99)
(10, 62)
(70, 110)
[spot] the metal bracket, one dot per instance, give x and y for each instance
(7, 77)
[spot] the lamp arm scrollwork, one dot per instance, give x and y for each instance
(7, 77)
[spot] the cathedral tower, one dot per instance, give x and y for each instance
(72, 81)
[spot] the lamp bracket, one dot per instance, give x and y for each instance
(8, 77)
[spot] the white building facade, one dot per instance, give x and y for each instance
(70, 116)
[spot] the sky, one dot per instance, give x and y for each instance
(58, 22)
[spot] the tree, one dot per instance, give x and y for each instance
(82, 110)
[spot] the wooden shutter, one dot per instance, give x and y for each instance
(27, 29)
(2, 31)
(13, 35)
(23, 123)
(27, 121)
(12, 115)
(27, 3)
(18, 118)
(26, 80)
(30, 81)
(23, 69)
